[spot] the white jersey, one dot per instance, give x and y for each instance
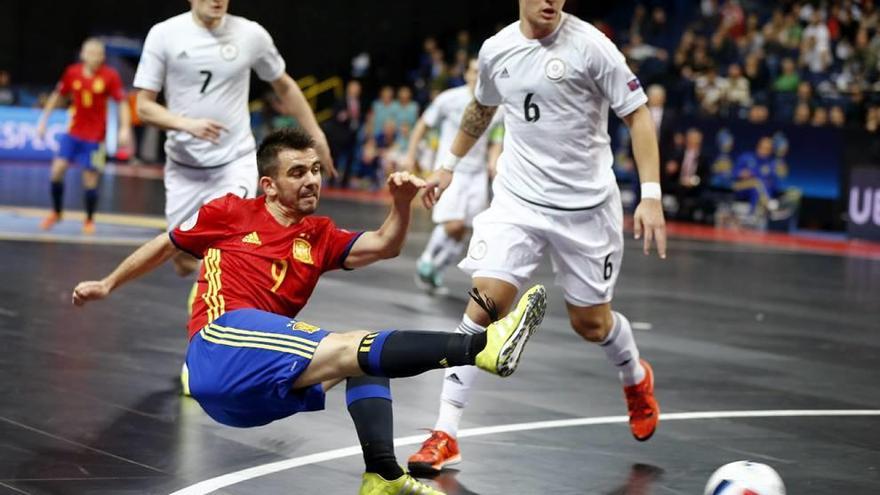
(555, 93)
(446, 111)
(206, 74)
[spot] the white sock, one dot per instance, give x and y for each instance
(435, 243)
(457, 383)
(620, 348)
(449, 253)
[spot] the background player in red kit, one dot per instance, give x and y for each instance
(249, 363)
(88, 84)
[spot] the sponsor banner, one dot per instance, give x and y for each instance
(863, 212)
(18, 133)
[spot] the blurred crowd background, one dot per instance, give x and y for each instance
(762, 108)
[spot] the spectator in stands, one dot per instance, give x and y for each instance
(857, 106)
(458, 68)
(805, 94)
(407, 110)
(773, 31)
(817, 30)
(837, 116)
(426, 58)
(657, 31)
(737, 95)
(664, 117)
(802, 114)
(422, 76)
(348, 117)
(711, 89)
(820, 117)
(384, 108)
(788, 81)
(815, 57)
(639, 22)
(464, 43)
(640, 52)
(872, 120)
(723, 47)
(758, 114)
(384, 150)
(684, 52)
(756, 176)
(758, 76)
(7, 94)
(439, 71)
(733, 19)
(790, 36)
(753, 40)
(687, 175)
(867, 51)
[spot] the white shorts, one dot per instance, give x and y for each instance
(188, 188)
(464, 199)
(586, 247)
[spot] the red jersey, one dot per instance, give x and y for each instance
(252, 261)
(89, 99)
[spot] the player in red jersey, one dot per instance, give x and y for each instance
(249, 363)
(88, 84)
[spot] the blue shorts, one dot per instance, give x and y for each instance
(88, 154)
(242, 367)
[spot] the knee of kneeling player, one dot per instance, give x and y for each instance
(593, 328)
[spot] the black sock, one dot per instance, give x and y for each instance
(57, 190)
(398, 354)
(369, 404)
(91, 201)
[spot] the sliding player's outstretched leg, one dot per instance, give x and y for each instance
(507, 337)
(397, 354)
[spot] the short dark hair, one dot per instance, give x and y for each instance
(276, 142)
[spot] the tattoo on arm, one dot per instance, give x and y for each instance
(476, 119)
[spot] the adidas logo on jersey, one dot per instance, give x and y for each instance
(504, 74)
(454, 379)
(252, 238)
(182, 55)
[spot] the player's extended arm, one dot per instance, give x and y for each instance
(151, 112)
(415, 137)
(474, 122)
(387, 241)
(140, 262)
(495, 150)
(296, 105)
(124, 135)
(648, 218)
(51, 102)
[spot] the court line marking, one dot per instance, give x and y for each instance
(207, 486)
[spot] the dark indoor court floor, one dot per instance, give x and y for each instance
(760, 353)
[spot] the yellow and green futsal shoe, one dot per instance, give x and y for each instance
(373, 484)
(507, 337)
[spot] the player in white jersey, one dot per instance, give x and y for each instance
(202, 59)
(555, 76)
(467, 195)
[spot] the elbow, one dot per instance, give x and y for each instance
(391, 253)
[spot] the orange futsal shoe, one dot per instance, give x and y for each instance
(438, 451)
(88, 227)
(50, 221)
(644, 412)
